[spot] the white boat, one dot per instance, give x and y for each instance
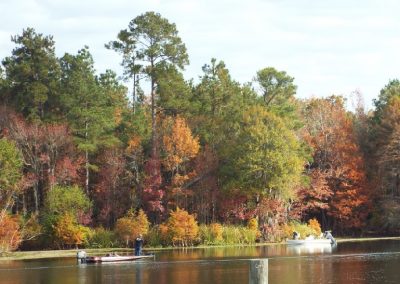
(112, 257)
(310, 242)
(97, 259)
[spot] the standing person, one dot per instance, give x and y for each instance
(138, 245)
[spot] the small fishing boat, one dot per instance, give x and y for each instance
(83, 258)
(311, 242)
(326, 240)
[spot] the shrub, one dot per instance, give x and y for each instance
(303, 229)
(154, 237)
(248, 236)
(10, 236)
(129, 227)
(216, 232)
(231, 235)
(68, 232)
(182, 228)
(314, 225)
(102, 238)
(252, 224)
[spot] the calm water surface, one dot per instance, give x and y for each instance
(366, 262)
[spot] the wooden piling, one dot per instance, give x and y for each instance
(258, 273)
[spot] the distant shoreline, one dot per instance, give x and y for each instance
(27, 255)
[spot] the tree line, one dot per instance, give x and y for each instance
(77, 148)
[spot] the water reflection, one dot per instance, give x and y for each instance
(310, 249)
(373, 262)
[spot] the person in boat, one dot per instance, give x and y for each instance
(296, 235)
(138, 245)
(329, 236)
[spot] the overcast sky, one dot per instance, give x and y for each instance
(329, 47)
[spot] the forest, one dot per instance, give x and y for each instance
(86, 161)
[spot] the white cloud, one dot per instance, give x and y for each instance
(328, 46)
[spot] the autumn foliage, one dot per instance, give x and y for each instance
(131, 226)
(10, 236)
(248, 161)
(182, 228)
(338, 187)
(68, 232)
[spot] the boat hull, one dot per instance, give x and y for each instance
(101, 259)
(317, 242)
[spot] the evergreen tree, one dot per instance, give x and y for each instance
(33, 74)
(88, 106)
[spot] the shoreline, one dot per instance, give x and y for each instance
(30, 255)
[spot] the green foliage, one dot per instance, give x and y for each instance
(238, 235)
(211, 234)
(266, 158)
(67, 199)
(10, 172)
(277, 87)
(88, 103)
(33, 74)
(102, 238)
(155, 237)
(391, 90)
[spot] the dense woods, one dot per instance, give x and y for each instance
(84, 160)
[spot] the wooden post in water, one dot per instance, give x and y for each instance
(258, 273)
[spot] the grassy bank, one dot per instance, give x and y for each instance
(25, 255)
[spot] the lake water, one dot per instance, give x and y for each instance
(351, 262)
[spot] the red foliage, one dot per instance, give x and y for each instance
(339, 185)
(152, 192)
(110, 193)
(234, 208)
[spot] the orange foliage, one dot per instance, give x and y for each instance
(180, 146)
(338, 162)
(67, 231)
(314, 224)
(134, 144)
(182, 227)
(131, 226)
(10, 236)
(216, 231)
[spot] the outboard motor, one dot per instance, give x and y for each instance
(81, 256)
(329, 236)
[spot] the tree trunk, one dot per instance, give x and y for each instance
(86, 160)
(153, 121)
(87, 172)
(134, 95)
(36, 196)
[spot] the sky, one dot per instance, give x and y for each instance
(329, 47)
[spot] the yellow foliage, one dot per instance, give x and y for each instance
(314, 224)
(117, 115)
(180, 146)
(216, 231)
(134, 144)
(303, 229)
(182, 227)
(131, 226)
(67, 231)
(253, 224)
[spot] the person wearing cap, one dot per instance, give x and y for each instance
(138, 245)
